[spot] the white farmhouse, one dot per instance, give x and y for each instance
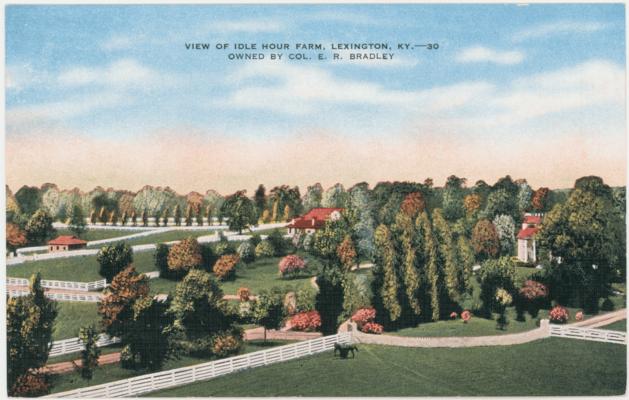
(527, 251)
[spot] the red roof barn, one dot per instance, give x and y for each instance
(65, 243)
(313, 220)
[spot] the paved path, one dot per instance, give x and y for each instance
(474, 341)
(250, 334)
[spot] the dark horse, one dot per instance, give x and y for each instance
(344, 349)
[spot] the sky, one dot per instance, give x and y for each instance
(110, 96)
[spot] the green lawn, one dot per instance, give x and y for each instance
(259, 275)
(616, 326)
(99, 234)
(78, 269)
(113, 372)
(547, 367)
(169, 236)
(72, 316)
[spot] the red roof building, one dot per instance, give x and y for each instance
(65, 243)
(527, 251)
(313, 220)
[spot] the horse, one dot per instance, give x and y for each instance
(344, 349)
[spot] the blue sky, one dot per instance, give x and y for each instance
(503, 75)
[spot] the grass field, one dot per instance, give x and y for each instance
(78, 269)
(99, 234)
(169, 236)
(72, 316)
(113, 372)
(616, 326)
(259, 275)
(547, 367)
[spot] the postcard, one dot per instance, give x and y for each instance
(345, 200)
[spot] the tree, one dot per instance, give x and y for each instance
(335, 196)
(93, 217)
(124, 218)
(328, 239)
(15, 238)
(386, 260)
(413, 204)
(268, 309)
(500, 202)
(113, 258)
(90, 353)
(29, 199)
(433, 272)
(485, 239)
(525, 194)
(471, 203)
(116, 305)
(495, 274)
(145, 218)
(505, 228)
(208, 213)
(102, 216)
(259, 199)
(410, 243)
(453, 198)
(448, 256)
(539, 199)
(330, 298)
(347, 253)
(150, 339)
(313, 196)
(77, 221)
(113, 218)
(156, 218)
(240, 211)
(587, 232)
(184, 256)
(134, 218)
(364, 225)
(198, 307)
(29, 327)
(165, 217)
(161, 261)
(189, 215)
(177, 215)
(39, 227)
(288, 213)
(200, 217)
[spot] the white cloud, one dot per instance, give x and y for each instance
(301, 90)
(248, 26)
(19, 77)
(484, 54)
(120, 74)
(558, 28)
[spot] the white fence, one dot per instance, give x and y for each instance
(81, 286)
(90, 298)
(61, 347)
(597, 335)
(201, 372)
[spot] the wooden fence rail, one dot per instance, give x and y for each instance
(597, 335)
(182, 376)
(67, 346)
(50, 284)
(89, 298)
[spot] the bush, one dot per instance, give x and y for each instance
(306, 297)
(113, 258)
(306, 321)
(558, 315)
(127, 360)
(224, 248)
(225, 267)
(607, 305)
(244, 294)
(255, 239)
(247, 252)
(495, 274)
(30, 385)
(532, 290)
(264, 249)
(276, 239)
(308, 242)
(466, 316)
(291, 265)
(364, 316)
(184, 256)
(372, 327)
(225, 345)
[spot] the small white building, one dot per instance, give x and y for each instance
(527, 250)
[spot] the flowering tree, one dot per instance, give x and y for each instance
(559, 315)
(184, 256)
(505, 228)
(291, 265)
(471, 202)
(225, 267)
(346, 252)
(15, 237)
(364, 319)
(485, 239)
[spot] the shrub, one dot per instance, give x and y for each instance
(579, 316)
(306, 298)
(291, 265)
(453, 315)
(372, 327)
(532, 290)
(244, 294)
(247, 252)
(30, 385)
(493, 275)
(607, 305)
(225, 267)
(276, 239)
(184, 256)
(306, 321)
(264, 249)
(558, 315)
(114, 258)
(127, 360)
(255, 239)
(308, 242)
(224, 247)
(226, 344)
(466, 316)
(503, 297)
(364, 316)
